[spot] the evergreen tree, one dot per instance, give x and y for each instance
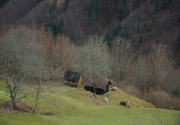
(2, 2)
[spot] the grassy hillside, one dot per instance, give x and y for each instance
(75, 106)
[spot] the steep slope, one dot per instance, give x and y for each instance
(76, 19)
(34, 14)
(143, 22)
(16, 9)
(152, 22)
(64, 105)
(145, 26)
(44, 12)
(73, 96)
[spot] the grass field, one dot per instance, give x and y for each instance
(75, 106)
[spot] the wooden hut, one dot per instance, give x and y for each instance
(77, 79)
(101, 85)
(73, 78)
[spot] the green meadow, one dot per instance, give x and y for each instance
(65, 105)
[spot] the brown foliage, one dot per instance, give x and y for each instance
(62, 55)
(162, 99)
(76, 19)
(20, 108)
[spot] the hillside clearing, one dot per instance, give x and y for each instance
(75, 106)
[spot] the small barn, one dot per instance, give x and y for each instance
(73, 78)
(77, 79)
(101, 84)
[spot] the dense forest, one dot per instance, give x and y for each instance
(136, 43)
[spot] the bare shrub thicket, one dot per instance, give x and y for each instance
(32, 55)
(57, 51)
(123, 57)
(62, 56)
(93, 59)
(154, 71)
(36, 40)
(139, 73)
(38, 64)
(160, 67)
(156, 78)
(15, 50)
(162, 99)
(41, 70)
(153, 75)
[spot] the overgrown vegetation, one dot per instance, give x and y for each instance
(31, 54)
(135, 43)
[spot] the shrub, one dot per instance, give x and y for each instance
(162, 99)
(125, 103)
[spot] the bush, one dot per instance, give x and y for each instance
(162, 99)
(125, 103)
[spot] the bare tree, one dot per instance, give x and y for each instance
(123, 55)
(40, 72)
(93, 59)
(13, 53)
(61, 56)
(38, 63)
(39, 68)
(161, 66)
(23, 56)
(140, 73)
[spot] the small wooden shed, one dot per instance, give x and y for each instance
(77, 79)
(73, 78)
(101, 85)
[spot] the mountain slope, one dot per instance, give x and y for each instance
(145, 26)
(73, 106)
(16, 9)
(143, 22)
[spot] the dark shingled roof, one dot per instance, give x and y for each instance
(72, 76)
(100, 82)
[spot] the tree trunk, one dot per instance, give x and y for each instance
(94, 90)
(94, 86)
(13, 102)
(36, 99)
(11, 93)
